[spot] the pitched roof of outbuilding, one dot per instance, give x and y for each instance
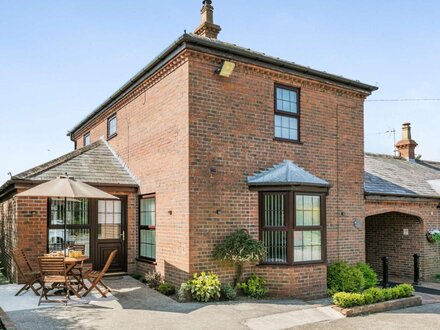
(391, 175)
(285, 173)
(96, 163)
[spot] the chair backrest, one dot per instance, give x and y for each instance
(52, 266)
(109, 261)
(22, 261)
(78, 247)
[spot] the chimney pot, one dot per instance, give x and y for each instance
(406, 146)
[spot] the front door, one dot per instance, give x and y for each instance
(110, 234)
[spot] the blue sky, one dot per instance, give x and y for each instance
(60, 59)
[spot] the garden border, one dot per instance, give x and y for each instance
(381, 306)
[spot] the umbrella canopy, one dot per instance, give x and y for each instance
(66, 187)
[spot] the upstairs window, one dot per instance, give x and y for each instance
(86, 139)
(286, 113)
(111, 126)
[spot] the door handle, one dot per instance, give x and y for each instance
(123, 235)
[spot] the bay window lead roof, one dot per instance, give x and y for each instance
(286, 173)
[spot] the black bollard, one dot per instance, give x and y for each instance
(385, 262)
(416, 269)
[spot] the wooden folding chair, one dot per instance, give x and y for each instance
(77, 271)
(95, 277)
(30, 276)
(53, 276)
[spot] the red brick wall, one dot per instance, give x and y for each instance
(383, 213)
(384, 237)
(152, 140)
(232, 129)
(8, 234)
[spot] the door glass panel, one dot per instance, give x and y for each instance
(109, 219)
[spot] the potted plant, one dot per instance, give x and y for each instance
(433, 235)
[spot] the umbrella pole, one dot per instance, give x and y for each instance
(65, 225)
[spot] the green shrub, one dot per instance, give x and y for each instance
(376, 293)
(183, 294)
(372, 295)
(204, 287)
(437, 276)
(153, 279)
(370, 277)
(166, 288)
(254, 287)
(341, 277)
(228, 292)
(239, 248)
(348, 299)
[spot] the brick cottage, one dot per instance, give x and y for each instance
(209, 138)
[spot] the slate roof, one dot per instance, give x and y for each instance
(95, 163)
(285, 173)
(233, 52)
(391, 175)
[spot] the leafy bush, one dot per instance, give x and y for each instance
(153, 279)
(348, 299)
(205, 287)
(254, 287)
(377, 294)
(343, 278)
(228, 292)
(238, 249)
(166, 288)
(437, 276)
(372, 295)
(183, 294)
(370, 277)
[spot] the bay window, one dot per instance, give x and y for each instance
(292, 227)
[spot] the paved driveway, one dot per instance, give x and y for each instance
(134, 306)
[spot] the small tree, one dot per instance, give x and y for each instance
(238, 249)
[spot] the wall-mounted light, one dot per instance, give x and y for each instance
(219, 212)
(225, 69)
(30, 213)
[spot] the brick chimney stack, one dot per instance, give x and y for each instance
(207, 28)
(406, 146)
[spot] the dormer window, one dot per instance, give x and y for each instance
(111, 127)
(286, 113)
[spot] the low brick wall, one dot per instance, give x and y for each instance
(381, 307)
(6, 321)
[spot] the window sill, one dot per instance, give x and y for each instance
(287, 140)
(112, 136)
(296, 264)
(151, 262)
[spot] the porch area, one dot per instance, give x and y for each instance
(39, 225)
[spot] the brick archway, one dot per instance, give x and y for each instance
(394, 234)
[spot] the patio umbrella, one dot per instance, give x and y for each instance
(66, 187)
